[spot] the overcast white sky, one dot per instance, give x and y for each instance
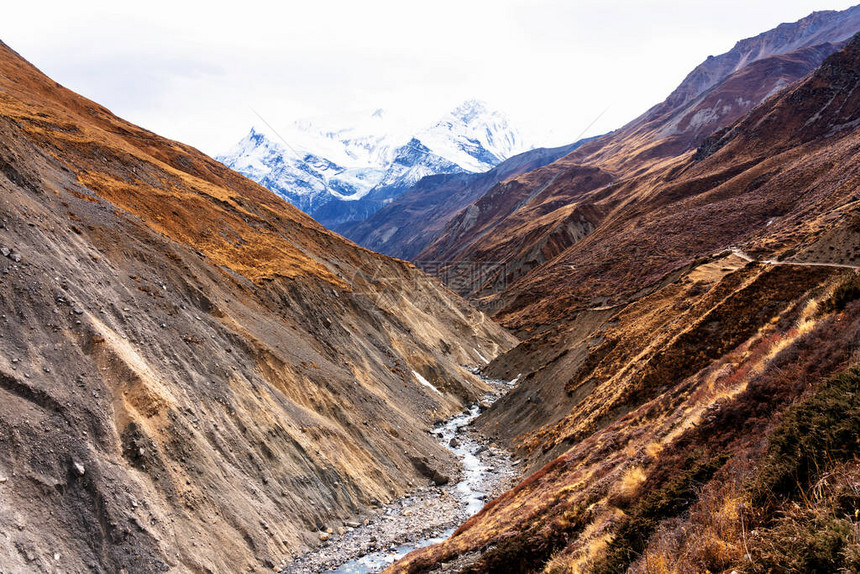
(195, 71)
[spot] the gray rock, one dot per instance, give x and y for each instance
(5, 251)
(79, 469)
(422, 465)
(16, 257)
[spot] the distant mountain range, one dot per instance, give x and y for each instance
(720, 90)
(344, 175)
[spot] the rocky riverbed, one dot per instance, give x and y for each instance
(430, 514)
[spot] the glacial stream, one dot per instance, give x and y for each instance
(429, 515)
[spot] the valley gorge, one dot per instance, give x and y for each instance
(239, 375)
(639, 352)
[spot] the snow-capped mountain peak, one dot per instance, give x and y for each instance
(255, 155)
(471, 110)
(311, 166)
(474, 137)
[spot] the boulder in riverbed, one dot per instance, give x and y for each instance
(422, 465)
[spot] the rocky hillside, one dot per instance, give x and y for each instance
(526, 222)
(687, 397)
(194, 375)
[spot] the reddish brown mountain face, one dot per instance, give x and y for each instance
(525, 222)
(675, 354)
(816, 29)
(697, 203)
(194, 374)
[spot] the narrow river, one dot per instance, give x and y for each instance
(429, 515)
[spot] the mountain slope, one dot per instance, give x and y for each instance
(663, 403)
(405, 226)
(817, 28)
(344, 175)
(514, 223)
(194, 375)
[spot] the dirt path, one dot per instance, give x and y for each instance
(746, 257)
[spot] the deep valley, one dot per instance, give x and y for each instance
(638, 352)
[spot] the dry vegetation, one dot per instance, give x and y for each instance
(632, 486)
(675, 399)
(624, 211)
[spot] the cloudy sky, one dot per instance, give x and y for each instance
(197, 72)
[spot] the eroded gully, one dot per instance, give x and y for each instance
(430, 514)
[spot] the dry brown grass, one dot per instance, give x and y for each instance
(188, 197)
(630, 484)
(710, 539)
(818, 532)
(726, 408)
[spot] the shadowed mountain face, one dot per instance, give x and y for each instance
(679, 350)
(405, 226)
(525, 222)
(194, 375)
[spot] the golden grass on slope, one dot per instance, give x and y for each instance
(188, 197)
(665, 338)
(714, 534)
(589, 546)
(227, 236)
(793, 510)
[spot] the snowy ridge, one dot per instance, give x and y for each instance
(473, 137)
(311, 166)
